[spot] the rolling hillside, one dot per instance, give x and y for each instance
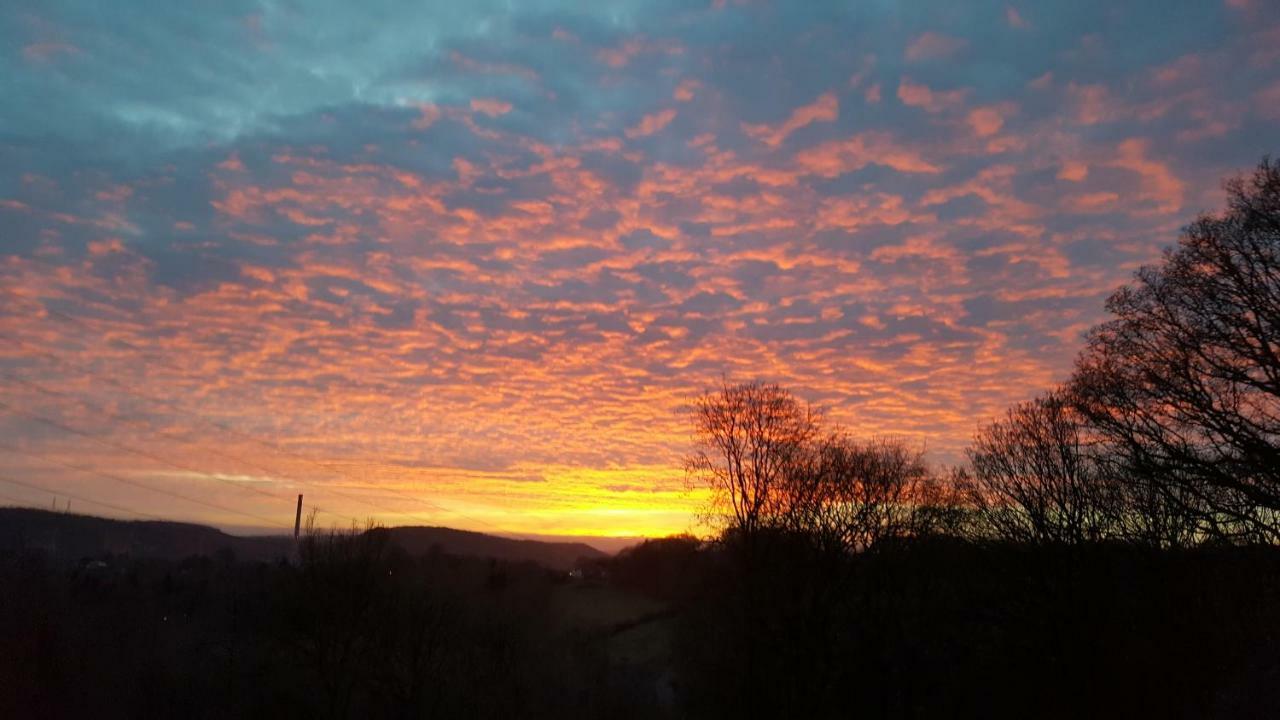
(71, 536)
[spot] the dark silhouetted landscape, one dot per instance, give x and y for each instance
(640, 359)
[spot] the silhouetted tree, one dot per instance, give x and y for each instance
(747, 436)
(1036, 478)
(848, 495)
(659, 567)
(1185, 381)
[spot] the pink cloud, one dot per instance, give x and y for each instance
(106, 247)
(1073, 170)
(490, 106)
(931, 101)
(651, 123)
(428, 114)
(1091, 103)
(986, 121)
(621, 56)
(934, 46)
(825, 109)
(841, 156)
(1091, 202)
(684, 92)
(232, 163)
(857, 211)
(1014, 18)
(1159, 183)
(1185, 69)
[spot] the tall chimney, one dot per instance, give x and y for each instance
(297, 518)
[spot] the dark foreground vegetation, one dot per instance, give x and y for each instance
(1107, 550)
(774, 627)
(349, 625)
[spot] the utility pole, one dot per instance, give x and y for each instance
(297, 519)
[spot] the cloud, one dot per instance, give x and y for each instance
(825, 109)
(837, 157)
(1158, 182)
(986, 121)
(933, 46)
(685, 91)
(487, 106)
(931, 101)
(651, 123)
(1014, 18)
(486, 258)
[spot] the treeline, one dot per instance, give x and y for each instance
(1166, 435)
(1106, 549)
(351, 626)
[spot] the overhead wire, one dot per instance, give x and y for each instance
(266, 443)
(135, 483)
(73, 496)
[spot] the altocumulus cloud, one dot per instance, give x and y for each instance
(408, 250)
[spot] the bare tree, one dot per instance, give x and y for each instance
(1185, 380)
(770, 465)
(1035, 478)
(747, 436)
(848, 495)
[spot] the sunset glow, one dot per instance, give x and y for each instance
(464, 265)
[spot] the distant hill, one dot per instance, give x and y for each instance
(75, 536)
(556, 555)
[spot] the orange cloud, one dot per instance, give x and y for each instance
(651, 123)
(1159, 184)
(428, 114)
(837, 157)
(684, 92)
(985, 121)
(825, 109)
(1073, 170)
(930, 101)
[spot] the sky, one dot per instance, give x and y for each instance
(468, 263)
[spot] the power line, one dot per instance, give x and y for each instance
(134, 451)
(80, 498)
(266, 443)
(185, 468)
(16, 501)
(161, 361)
(145, 486)
(123, 418)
